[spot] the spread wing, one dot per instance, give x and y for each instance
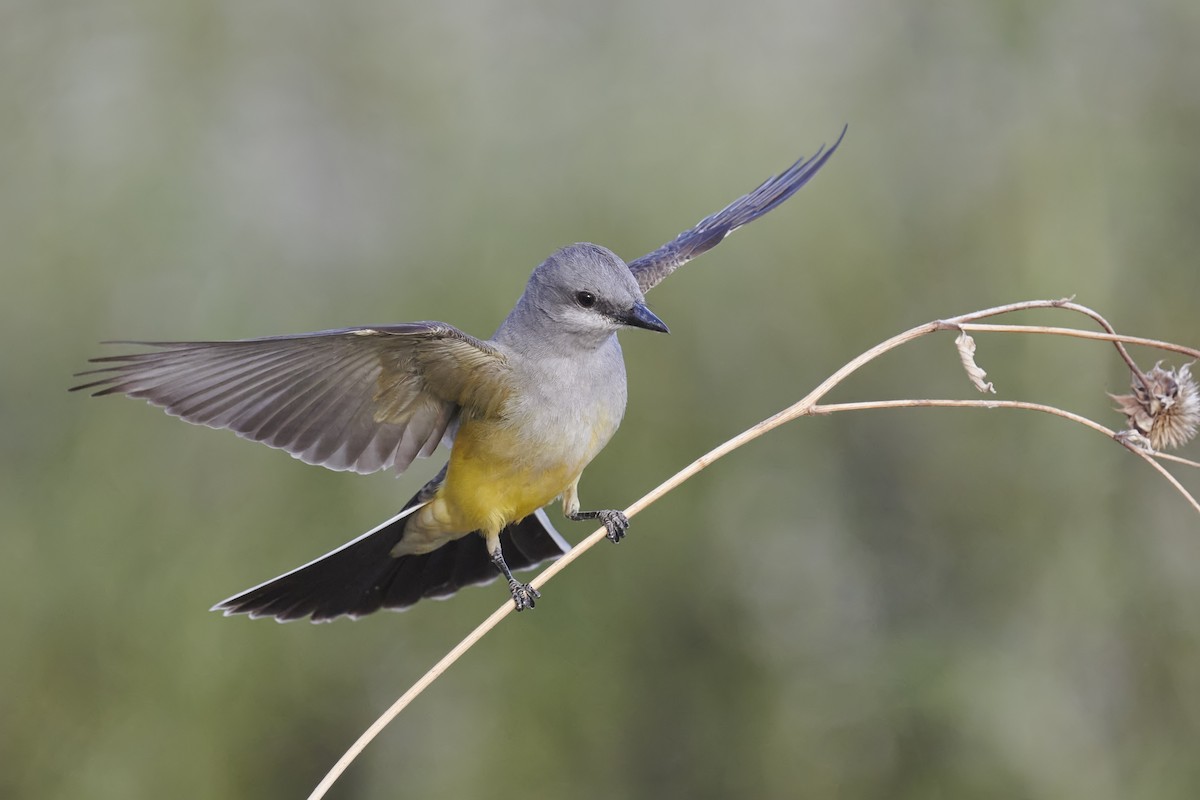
(651, 268)
(361, 399)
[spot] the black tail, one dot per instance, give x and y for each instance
(362, 576)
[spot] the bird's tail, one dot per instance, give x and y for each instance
(363, 576)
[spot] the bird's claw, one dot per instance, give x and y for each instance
(524, 596)
(616, 523)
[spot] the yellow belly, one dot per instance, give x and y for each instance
(496, 477)
(492, 480)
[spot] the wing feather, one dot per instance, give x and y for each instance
(360, 399)
(652, 268)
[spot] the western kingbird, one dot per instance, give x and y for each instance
(522, 413)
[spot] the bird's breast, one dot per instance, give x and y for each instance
(502, 469)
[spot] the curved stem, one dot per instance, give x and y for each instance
(807, 406)
(1075, 333)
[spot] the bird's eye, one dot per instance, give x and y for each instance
(585, 299)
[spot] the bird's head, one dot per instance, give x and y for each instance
(585, 290)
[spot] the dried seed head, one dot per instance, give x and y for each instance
(1167, 410)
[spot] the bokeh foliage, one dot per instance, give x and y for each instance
(894, 605)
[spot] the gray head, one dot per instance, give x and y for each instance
(583, 291)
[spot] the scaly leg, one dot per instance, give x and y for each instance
(615, 522)
(523, 595)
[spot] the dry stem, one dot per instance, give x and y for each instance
(808, 406)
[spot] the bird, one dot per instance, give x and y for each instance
(522, 414)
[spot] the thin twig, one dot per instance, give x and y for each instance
(834, 408)
(1069, 305)
(807, 406)
(413, 691)
(1133, 367)
(1149, 456)
(1177, 459)
(991, 327)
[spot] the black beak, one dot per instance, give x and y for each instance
(641, 317)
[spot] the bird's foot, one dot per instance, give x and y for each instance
(524, 596)
(615, 522)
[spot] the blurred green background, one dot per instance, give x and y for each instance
(909, 604)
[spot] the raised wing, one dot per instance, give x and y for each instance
(361, 399)
(651, 268)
